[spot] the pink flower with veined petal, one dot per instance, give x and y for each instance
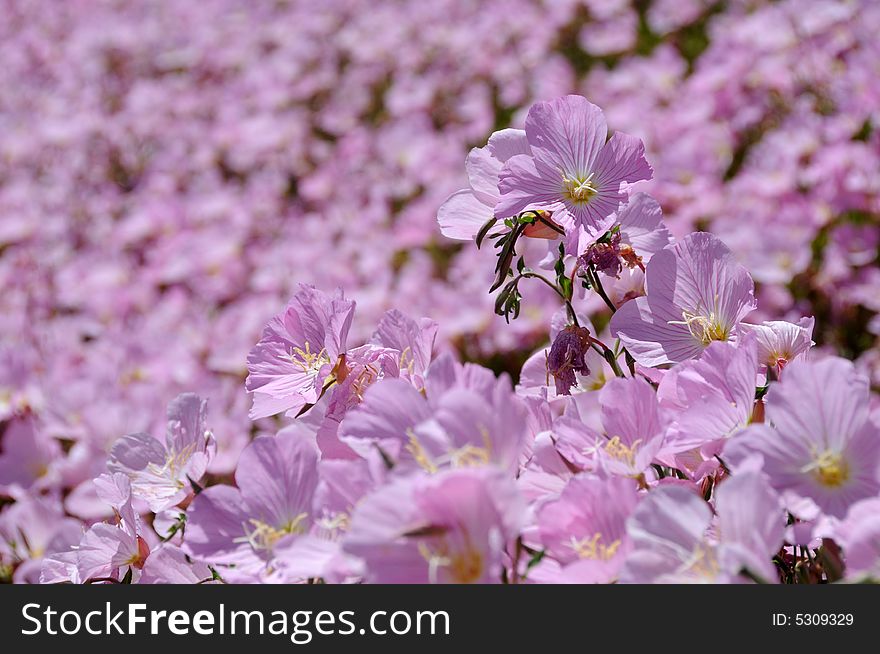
(696, 293)
(710, 398)
(465, 211)
(109, 551)
(585, 528)
(458, 428)
(451, 527)
(819, 441)
(779, 341)
(160, 473)
(276, 478)
(574, 170)
(298, 351)
(673, 543)
(632, 430)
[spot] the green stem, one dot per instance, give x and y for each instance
(600, 290)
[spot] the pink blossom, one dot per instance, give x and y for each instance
(161, 473)
(276, 478)
(819, 442)
(695, 294)
(572, 170)
(298, 351)
(452, 527)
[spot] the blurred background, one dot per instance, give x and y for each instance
(169, 171)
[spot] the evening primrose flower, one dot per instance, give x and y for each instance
(299, 351)
(780, 342)
(584, 529)
(452, 527)
(819, 441)
(467, 210)
(574, 170)
(673, 542)
(276, 480)
(458, 428)
(696, 293)
(161, 473)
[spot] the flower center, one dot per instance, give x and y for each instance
(622, 452)
(263, 536)
(593, 548)
(703, 328)
(830, 469)
(579, 189)
(309, 362)
(466, 456)
(464, 566)
(703, 564)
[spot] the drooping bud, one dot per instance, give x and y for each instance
(567, 357)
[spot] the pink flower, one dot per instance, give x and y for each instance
(859, 535)
(170, 565)
(631, 435)
(819, 442)
(29, 457)
(276, 478)
(452, 527)
(673, 543)
(32, 528)
(110, 551)
(696, 293)
(574, 170)
(161, 473)
(710, 398)
(780, 342)
(458, 428)
(298, 352)
(585, 528)
(467, 210)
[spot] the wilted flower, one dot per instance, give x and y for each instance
(566, 357)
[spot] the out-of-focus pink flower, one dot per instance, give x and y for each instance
(298, 351)
(452, 527)
(859, 535)
(29, 457)
(161, 473)
(819, 442)
(276, 480)
(696, 293)
(672, 542)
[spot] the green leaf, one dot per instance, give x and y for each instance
(489, 224)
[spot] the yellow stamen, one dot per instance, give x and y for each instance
(830, 469)
(310, 362)
(704, 328)
(622, 452)
(594, 549)
(579, 189)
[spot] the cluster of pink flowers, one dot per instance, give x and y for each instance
(697, 447)
(171, 173)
